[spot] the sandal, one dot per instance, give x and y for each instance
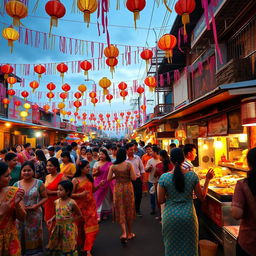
(123, 240)
(131, 236)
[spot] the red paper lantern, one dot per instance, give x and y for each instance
(146, 55)
(135, 6)
(56, 10)
(6, 101)
(140, 90)
(122, 114)
(123, 94)
(122, 86)
(46, 107)
(11, 92)
(66, 87)
(7, 69)
(92, 95)
(76, 114)
(24, 94)
(166, 43)
(63, 96)
(184, 8)
(150, 81)
(40, 69)
(34, 85)
(112, 62)
(62, 68)
(109, 97)
(86, 66)
(129, 113)
(108, 116)
(17, 103)
(94, 101)
(17, 10)
(111, 52)
(50, 95)
(77, 104)
(51, 86)
(78, 95)
(35, 106)
(143, 107)
(69, 113)
(11, 80)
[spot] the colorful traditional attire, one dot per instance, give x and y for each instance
(104, 194)
(68, 169)
(88, 226)
(9, 240)
(31, 230)
(63, 238)
(180, 224)
(49, 207)
(124, 205)
(15, 175)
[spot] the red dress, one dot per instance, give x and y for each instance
(88, 226)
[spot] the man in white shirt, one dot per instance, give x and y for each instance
(190, 155)
(152, 180)
(139, 171)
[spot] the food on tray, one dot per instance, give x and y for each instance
(226, 191)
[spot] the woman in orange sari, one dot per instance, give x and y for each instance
(83, 194)
(51, 184)
(10, 209)
(67, 167)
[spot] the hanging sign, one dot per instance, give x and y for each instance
(218, 126)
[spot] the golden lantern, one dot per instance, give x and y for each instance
(87, 7)
(61, 105)
(23, 115)
(166, 43)
(105, 84)
(82, 88)
(11, 35)
(27, 106)
(11, 81)
(111, 51)
(17, 10)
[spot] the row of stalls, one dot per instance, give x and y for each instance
(223, 126)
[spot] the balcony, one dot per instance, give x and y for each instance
(163, 109)
(236, 70)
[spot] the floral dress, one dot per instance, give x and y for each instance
(63, 238)
(31, 230)
(9, 240)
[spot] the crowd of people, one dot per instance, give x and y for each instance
(72, 188)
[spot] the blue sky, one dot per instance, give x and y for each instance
(72, 26)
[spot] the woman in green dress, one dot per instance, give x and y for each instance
(179, 221)
(12, 161)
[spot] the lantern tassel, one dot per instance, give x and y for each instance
(185, 20)
(105, 91)
(166, 5)
(10, 43)
(136, 16)
(87, 18)
(16, 22)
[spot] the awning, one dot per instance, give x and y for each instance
(220, 94)
(153, 122)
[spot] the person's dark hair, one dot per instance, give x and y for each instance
(148, 146)
(40, 155)
(67, 185)
(83, 147)
(26, 145)
(13, 149)
(251, 175)
(114, 147)
(188, 148)
(3, 151)
(166, 160)
(128, 145)
(55, 162)
(177, 158)
(135, 143)
(95, 150)
(9, 156)
(3, 168)
(88, 151)
(79, 169)
(66, 154)
(120, 156)
(51, 149)
(105, 152)
(38, 147)
(118, 146)
(142, 143)
(181, 146)
(73, 144)
(108, 146)
(30, 164)
(69, 148)
(173, 145)
(156, 149)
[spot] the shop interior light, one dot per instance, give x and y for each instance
(38, 134)
(218, 144)
(205, 146)
(242, 137)
(7, 124)
(248, 125)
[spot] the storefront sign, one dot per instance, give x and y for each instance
(218, 126)
(193, 131)
(202, 131)
(234, 122)
(161, 135)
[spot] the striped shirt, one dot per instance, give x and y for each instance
(187, 165)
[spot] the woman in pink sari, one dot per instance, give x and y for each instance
(104, 195)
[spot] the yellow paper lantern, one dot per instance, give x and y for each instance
(71, 120)
(61, 105)
(105, 84)
(84, 122)
(11, 35)
(27, 106)
(87, 7)
(23, 115)
(82, 88)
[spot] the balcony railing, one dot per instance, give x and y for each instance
(236, 70)
(163, 109)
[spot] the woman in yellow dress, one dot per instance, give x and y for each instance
(10, 209)
(67, 167)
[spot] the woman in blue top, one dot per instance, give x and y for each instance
(180, 225)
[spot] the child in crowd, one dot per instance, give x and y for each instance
(63, 238)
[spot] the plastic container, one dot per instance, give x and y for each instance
(207, 248)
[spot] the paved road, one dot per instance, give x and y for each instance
(148, 239)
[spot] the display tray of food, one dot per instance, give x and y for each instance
(235, 166)
(223, 184)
